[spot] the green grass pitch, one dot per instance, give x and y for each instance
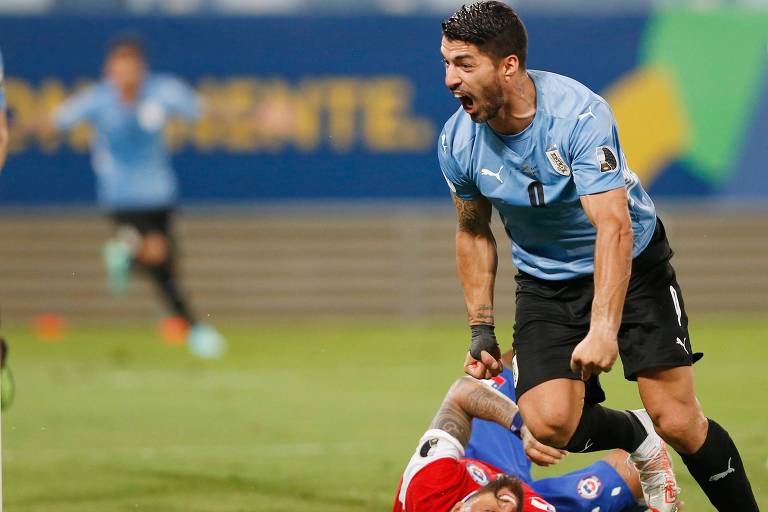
(307, 416)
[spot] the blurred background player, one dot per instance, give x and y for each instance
(465, 463)
(6, 382)
(128, 111)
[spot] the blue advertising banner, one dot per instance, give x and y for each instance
(322, 108)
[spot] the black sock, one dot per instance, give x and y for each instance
(169, 289)
(606, 429)
(718, 469)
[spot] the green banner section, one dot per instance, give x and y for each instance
(717, 60)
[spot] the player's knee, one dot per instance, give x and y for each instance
(681, 427)
(553, 428)
(154, 250)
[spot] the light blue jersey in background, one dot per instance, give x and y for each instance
(129, 155)
(535, 178)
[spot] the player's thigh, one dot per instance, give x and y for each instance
(596, 487)
(550, 320)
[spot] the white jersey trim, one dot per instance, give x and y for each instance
(443, 446)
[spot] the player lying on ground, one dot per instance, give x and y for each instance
(128, 111)
(470, 465)
(594, 274)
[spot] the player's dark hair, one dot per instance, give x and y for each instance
(492, 26)
(128, 43)
(505, 482)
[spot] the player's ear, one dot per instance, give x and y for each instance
(510, 64)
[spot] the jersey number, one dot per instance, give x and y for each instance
(536, 194)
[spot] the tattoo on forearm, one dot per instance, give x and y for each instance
(452, 419)
(471, 399)
(484, 313)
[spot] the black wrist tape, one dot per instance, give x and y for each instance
(484, 338)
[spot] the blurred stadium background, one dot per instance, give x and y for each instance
(318, 235)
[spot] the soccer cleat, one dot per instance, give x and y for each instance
(117, 259)
(205, 342)
(654, 467)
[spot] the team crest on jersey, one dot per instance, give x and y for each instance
(540, 504)
(477, 474)
(589, 488)
(497, 381)
(607, 159)
(557, 162)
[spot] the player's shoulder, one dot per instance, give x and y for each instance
(157, 80)
(458, 136)
(562, 97)
(96, 93)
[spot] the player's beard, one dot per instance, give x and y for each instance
(491, 103)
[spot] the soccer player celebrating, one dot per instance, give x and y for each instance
(594, 277)
(470, 460)
(128, 111)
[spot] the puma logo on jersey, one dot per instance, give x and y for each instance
(720, 476)
(497, 175)
(586, 114)
(589, 444)
(682, 344)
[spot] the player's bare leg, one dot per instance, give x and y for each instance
(556, 413)
(156, 256)
(706, 448)
(618, 460)
(668, 396)
(154, 249)
(552, 409)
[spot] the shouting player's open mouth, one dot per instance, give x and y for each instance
(466, 101)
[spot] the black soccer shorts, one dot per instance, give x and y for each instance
(145, 221)
(552, 317)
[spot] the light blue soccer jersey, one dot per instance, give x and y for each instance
(129, 156)
(571, 149)
(2, 84)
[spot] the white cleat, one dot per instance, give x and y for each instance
(654, 467)
(205, 342)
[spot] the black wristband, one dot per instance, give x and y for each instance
(484, 338)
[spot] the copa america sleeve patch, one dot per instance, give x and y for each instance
(606, 158)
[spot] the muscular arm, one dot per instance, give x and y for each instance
(613, 265)
(476, 257)
(469, 398)
(613, 257)
(3, 138)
